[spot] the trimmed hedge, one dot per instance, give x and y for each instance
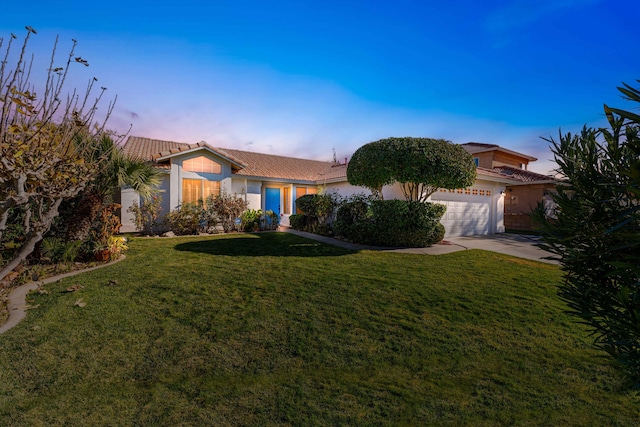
(392, 223)
(351, 214)
(298, 221)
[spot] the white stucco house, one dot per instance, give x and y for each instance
(270, 182)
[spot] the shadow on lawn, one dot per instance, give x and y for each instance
(263, 244)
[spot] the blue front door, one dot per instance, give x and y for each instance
(272, 200)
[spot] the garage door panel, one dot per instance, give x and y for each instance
(466, 218)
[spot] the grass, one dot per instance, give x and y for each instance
(274, 329)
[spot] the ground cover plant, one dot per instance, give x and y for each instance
(275, 329)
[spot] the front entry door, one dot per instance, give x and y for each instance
(272, 202)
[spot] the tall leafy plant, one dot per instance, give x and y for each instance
(48, 144)
(595, 230)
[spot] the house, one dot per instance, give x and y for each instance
(270, 182)
(194, 171)
(525, 191)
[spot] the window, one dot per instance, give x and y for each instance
(286, 195)
(201, 164)
(196, 189)
(301, 191)
(476, 160)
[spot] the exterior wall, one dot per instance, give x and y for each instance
(485, 160)
(128, 196)
(491, 159)
(250, 190)
(501, 159)
(345, 189)
(520, 201)
(178, 174)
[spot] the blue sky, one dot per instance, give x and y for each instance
(304, 78)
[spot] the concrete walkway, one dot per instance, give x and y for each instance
(518, 245)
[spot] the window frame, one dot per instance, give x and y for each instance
(201, 192)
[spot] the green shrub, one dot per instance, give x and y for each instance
(185, 219)
(146, 216)
(269, 220)
(209, 217)
(398, 223)
(57, 250)
(307, 204)
(298, 221)
(251, 219)
(354, 210)
(226, 208)
(437, 234)
(319, 209)
(594, 229)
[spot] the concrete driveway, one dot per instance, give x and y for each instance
(518, 245)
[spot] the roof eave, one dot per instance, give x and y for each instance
(331, 180)
(546, 181)
(273, 179)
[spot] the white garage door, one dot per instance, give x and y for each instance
(468, 211)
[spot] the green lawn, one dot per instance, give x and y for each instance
(274, 329)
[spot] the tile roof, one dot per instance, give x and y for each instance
(522, 175)
(494, 174)
(281, 167)
(253, 164)
(146, 148)
(155, 149)
(269, 166)
(474, 147)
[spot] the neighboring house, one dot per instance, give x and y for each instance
(525, 191)
(269, 182)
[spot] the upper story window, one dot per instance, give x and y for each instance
(476, 160)
(201, 164)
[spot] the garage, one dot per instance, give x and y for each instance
(468, 211)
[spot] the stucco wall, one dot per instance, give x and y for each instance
(128, 196)
(249, 190)
(520, 201)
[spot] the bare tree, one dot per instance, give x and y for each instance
(49, 144)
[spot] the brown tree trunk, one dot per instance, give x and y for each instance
(31, 240)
